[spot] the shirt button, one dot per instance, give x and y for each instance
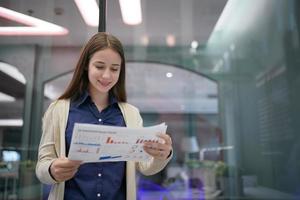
(99, 175)
(98, 195)
(100, 120)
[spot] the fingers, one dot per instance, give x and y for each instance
(159, 150)
(157, 146)
(63, 169)
(66, 163)
(64, 176)
(167, 139)
(160, 154)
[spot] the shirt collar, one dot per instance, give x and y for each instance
(82, 98)
(86, 96)
(112, 99)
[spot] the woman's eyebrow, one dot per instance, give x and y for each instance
(101, 62)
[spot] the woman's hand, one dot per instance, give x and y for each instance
(63, 169)
(159, 150)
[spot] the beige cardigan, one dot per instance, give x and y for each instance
(52, 145)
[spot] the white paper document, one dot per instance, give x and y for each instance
(98, 143)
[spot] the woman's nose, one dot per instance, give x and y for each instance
(106, 74)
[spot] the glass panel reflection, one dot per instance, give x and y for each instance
(249, 149)
(12, 94)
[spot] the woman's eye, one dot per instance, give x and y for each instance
(99, 66)
(115, 69)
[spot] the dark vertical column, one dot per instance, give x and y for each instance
(31, 135)
(37, 103)
(102, 16)
(297, 15)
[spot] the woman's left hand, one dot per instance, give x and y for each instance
(159, 150)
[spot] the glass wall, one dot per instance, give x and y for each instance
(223, 75)
(38, 41)
(247, 147)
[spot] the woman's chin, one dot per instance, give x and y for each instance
(103, 89)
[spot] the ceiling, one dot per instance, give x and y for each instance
(187, 20)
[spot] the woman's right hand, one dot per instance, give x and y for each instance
(63, 169)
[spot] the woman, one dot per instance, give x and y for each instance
(96, 95)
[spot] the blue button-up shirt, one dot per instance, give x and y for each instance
(95, 180)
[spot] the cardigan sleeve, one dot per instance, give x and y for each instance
(47, 153)
(154, 165)
(133, 118)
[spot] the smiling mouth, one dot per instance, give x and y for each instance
(104, 84)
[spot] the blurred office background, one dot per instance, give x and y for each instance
(223, 74)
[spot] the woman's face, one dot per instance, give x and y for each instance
(103, 71)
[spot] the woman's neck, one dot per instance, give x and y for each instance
(100, 100)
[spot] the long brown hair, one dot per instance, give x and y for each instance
(80, 81)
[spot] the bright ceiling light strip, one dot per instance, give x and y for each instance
(37, 26)
(131, 11)
(6, 98)
(89, 11)
(13, 72)
(11, 122)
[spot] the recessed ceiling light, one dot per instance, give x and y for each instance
(194, 44)
(89, 10)
(169, 74)
(131, 11)
(170, 40)
(34, 26)
(145, 40)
